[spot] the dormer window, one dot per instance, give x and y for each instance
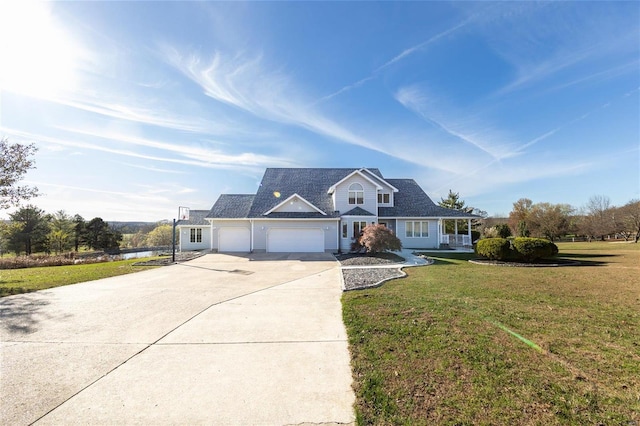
(356, 194)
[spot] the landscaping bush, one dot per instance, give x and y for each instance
(377, 238)
(532, 249)
(493, 248)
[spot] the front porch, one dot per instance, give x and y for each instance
(455, 240)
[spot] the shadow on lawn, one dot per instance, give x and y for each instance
(577, 262)
(443, 261)
(586, 256)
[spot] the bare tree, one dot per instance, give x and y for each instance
(15, 161)
(598, 220)
(629, 215)
(519, 216)
(549, 220)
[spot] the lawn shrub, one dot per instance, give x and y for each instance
(519, 249)
(493, 248)
(379, 238)
(532, 249)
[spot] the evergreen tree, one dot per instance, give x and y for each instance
(99, 235)
(61, 232)
(30, 233)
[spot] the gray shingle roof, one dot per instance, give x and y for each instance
(231, 206)
(196, 218)
(358, 211)
(311, 184)
(412, 201)
(278, 184)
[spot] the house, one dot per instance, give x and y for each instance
(320, 210)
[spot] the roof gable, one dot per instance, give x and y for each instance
(367, 176)
(380, 179)
(295, 204)
(309, 183)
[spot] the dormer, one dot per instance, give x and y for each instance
(361, 188)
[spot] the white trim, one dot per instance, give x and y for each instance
(333, 187)
(424, 218)
(289, 199)
(259, 219)
(381, 180)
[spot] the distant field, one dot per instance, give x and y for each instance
(16, 281)
(458, 343)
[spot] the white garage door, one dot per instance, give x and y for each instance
(295, 240)
(234, 239)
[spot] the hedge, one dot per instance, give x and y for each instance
(532, 249)
(493, 248)
(519, 249)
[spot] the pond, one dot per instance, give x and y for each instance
(139, 254)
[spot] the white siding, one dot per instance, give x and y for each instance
(296, 205)
(345, 243)
(184, 233)
(418, 243)
(341, 196)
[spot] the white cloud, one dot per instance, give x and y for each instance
(419, 102)
(191, 156)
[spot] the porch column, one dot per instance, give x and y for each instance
(469, 231)
(455, 228)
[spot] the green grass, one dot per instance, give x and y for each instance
(16, 281)
(458, 343)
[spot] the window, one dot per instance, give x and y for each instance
(358, 227)
(417, 229)
(195, 235)
(383, 198)
(356, 194)
(345, 230)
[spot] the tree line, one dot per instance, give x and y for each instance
(596, 220)
(30, 230)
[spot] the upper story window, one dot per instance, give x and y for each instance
(383, 198)
(356, 194)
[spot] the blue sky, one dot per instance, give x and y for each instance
(140, 107)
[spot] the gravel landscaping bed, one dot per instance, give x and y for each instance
(355, 279)
(359, 259)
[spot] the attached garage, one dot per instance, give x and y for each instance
(305, 240)
(234, 240)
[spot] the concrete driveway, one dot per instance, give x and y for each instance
(222, 339)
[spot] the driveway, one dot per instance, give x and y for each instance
(222, 339)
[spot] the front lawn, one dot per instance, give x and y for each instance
(458, 343)
(16, 281)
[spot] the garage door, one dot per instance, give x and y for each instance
(295, 240)
(234, 239)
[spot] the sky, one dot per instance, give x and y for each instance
(138, 108)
